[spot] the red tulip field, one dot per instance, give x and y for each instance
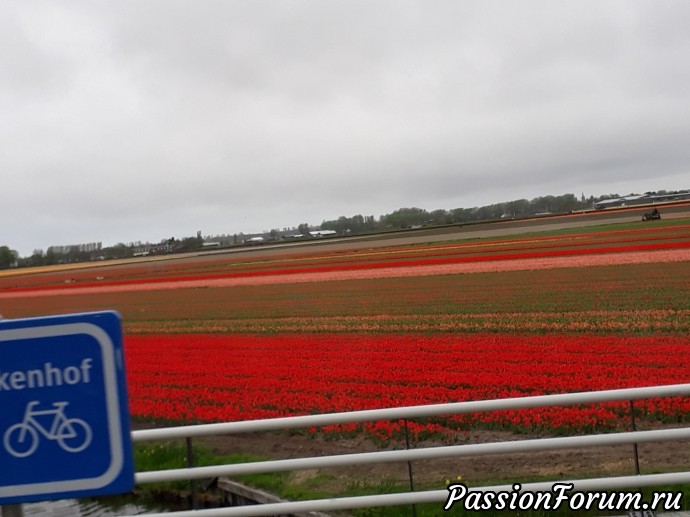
(205, 378)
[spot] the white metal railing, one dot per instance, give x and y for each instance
(411, 412)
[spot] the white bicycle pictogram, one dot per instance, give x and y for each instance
(72, 434)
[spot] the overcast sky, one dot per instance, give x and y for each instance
(139, 120)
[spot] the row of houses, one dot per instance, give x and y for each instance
(154, 249)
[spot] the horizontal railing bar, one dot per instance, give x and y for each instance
(428, 453)
(429, 496)
(273, 424)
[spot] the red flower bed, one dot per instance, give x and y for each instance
(205, 378)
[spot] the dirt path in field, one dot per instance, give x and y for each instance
(475, 471)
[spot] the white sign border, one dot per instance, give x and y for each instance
(112, 410)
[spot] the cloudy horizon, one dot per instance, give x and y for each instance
(136, 121)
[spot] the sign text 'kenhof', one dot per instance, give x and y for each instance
(64, 423)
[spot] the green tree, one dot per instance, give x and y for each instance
(119, 251)
(36, 259)
(405, 217)
(517, 208)
(191, 243)
(440, 216)
(8, 257)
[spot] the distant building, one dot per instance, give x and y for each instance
(322, 233)
(642, 199)
(164, 247)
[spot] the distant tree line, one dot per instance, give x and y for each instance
(357, 224)
(90, 252)
(416, 217)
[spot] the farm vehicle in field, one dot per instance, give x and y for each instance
(651, 216)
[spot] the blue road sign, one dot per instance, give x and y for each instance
(64, 418)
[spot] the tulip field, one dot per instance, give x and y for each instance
(207, 378)
(224, 337)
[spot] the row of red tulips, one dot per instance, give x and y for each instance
(204, 378)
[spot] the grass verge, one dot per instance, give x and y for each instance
(173, 455)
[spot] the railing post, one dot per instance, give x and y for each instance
(191, 464)
(409, 466)
(636, 457)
